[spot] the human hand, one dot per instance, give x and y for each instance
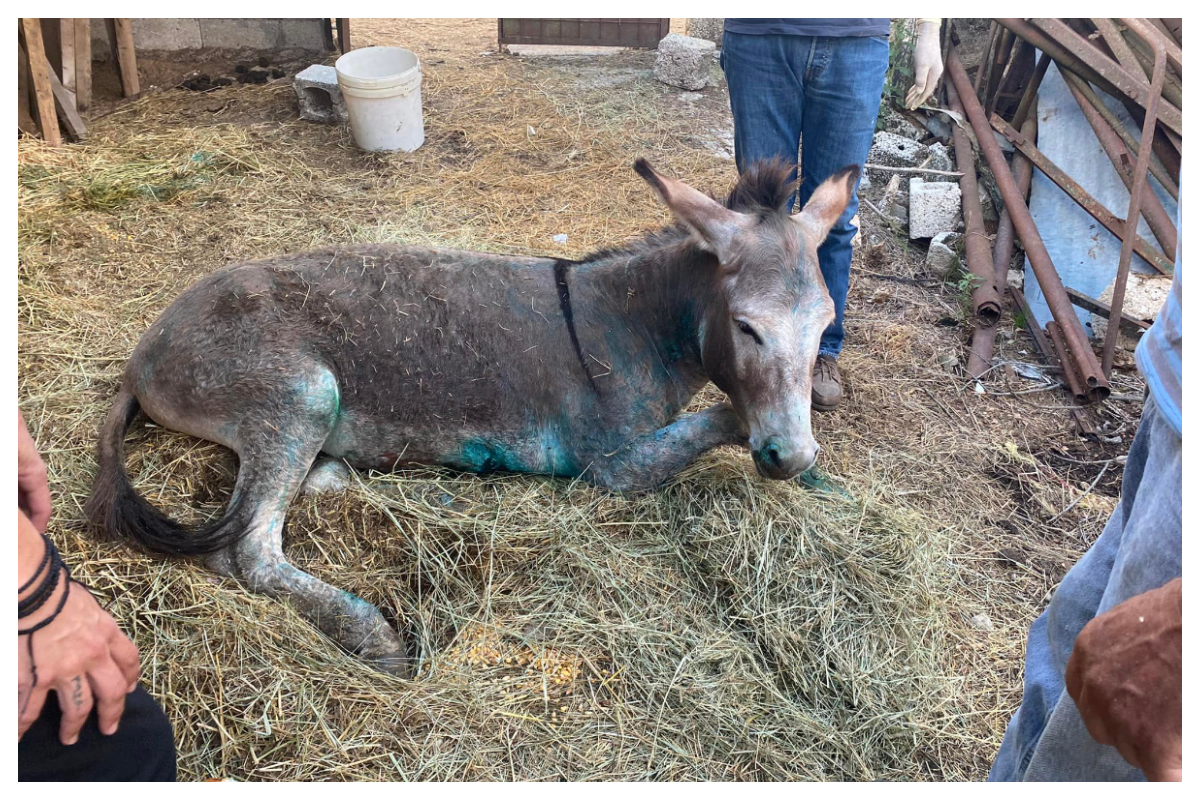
(81, 654)
(1126, 677)
(33, 491)
(927, 63)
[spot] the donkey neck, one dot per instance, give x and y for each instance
(660, 292)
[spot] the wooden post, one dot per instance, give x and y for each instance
(39, 73)
(67, 37)
(343, 29)
(120, 43)
(64, 101)
(83, 63)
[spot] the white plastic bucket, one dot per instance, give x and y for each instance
(382, 89)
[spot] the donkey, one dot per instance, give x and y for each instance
(381, 355)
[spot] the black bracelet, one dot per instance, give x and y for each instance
(45, 560)
(45, 589)
(57, 610)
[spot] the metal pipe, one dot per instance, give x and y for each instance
(1135, 204)
(1116, 42)
(1156, 216)
(1070, 368)
(1051, 48)
(1115, 225)
(1035, 248)
(1031, 90)
(985, 58)
(985, 299)
(1157, 169)
(1156, 40)
(983, 342)
(1132, 86)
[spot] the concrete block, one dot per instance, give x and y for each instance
(942, 255)
(892, 150)
(237, 34)
(318, 94)
(710, 28)
(939, 158)
(933, 208)
(303, 34)
(683, 61)
(165, 34)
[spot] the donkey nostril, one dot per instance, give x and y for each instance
(771, 455)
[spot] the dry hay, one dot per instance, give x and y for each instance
(723, 627)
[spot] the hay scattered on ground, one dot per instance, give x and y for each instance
(724, 627)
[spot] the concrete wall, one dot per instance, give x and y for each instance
(165, 36)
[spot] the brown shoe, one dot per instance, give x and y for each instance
(826, 384)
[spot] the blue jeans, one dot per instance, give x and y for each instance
(1140, 549)
(826, 90)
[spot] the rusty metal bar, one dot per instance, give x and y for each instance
(986, 56)
(1135, 204)
(1157, 169)
(1020, 66)
(983, 342)
(1048, 278)
(985, 299)
(1070, 368)
(1130, 325)
(1031, 91)
(1156, 216)
(1046, 350)
(1133, 86)
(1051, 48)
(1144, 53)
(1115, 225)
(1116, 42)
(1155, 38)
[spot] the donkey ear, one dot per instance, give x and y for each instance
(828, 202)
(712, 222)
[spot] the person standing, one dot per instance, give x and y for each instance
(818, 82)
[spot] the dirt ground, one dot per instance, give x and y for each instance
(1002, 493)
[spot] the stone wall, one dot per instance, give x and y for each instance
(215, 36)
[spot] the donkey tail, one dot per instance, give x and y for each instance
(116, 507)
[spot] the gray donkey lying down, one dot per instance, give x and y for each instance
(386, 355)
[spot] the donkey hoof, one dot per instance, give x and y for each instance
(328, 476)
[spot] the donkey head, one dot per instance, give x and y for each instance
(767, 305)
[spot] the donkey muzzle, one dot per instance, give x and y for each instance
(779, 459)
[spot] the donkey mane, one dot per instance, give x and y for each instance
(762, 190)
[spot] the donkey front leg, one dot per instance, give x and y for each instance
(649, 460)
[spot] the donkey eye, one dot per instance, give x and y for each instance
(745, 328)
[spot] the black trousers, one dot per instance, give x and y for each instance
(142, 749)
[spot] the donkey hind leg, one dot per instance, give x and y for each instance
(276, 455)
(327, 476)
(649, 460)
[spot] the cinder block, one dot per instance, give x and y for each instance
(684, 61)
(319, 96)
(892, 150)
(710, 28)
(933, 208)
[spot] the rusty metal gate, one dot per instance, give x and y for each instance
(584, 32)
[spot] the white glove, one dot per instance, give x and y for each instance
(927, 63)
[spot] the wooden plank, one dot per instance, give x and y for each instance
(327, 34)
(39, 73)
(64, 102)
(83, 63)
(343, 30)
(67, 37)
(25, 99)
(126, 59)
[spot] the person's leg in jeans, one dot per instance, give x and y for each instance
(766, 95)
(843, 85)
(1139, 550)
(142, 749)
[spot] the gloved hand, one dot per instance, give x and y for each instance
(927, 62)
